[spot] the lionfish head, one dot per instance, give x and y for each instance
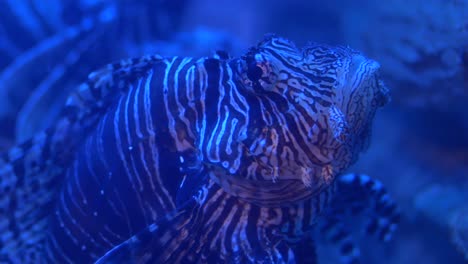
(316, 106)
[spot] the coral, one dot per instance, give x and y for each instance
(459, 226)
(422, 46)
(446, 206)
(439, 202)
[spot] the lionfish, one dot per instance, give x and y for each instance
(200, 160)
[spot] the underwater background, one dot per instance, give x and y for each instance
(419, 146)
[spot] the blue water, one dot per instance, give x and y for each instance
(419, 146)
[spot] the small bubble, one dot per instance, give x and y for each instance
(83, 247)
(95, 213)
(130, 148)
(102, 192)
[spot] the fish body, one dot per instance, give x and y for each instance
(180, 159)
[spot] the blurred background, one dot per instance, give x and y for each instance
(419, 147)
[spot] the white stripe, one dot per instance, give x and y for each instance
(122, 154)
(155, 179)
(215, 157)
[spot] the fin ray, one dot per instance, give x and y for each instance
(31, 173)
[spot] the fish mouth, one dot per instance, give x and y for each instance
(288, 186)
(264, 193)
(309, 176)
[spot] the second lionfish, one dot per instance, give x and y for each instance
(208, 160)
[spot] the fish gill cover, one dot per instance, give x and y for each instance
(230, 154)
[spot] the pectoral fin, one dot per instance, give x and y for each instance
(150, 245)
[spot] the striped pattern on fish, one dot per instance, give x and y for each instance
(234, 231)
(32, 173)
(264, 134)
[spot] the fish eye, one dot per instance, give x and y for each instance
(254, 72)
